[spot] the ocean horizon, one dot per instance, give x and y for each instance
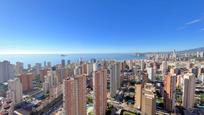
(56, 58)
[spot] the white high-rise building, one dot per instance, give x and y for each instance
(150, 72)
(164, 68)
(201, 54)
(202, 78)
(52, 80)
(142, 65)
(174, 54)
(78, 70)
(7, 71)
(188, 91)
(118, 74)
(94, 66)
(19, 68)
(198, 54)
(15, 87)
(114, 78)
(89, 68)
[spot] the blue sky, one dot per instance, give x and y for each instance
(100, 26)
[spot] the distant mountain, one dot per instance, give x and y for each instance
(182, 51)
(194, 50)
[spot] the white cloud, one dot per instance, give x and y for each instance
(188, 24)
(193, 22)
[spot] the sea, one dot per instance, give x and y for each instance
(56, 58)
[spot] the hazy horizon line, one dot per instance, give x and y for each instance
(26, 52)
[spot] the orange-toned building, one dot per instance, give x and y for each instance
(27, 81)
(169, 92)
(84, 68)
(138, 95)
(100, 92)
(148, 100)
(74, 92)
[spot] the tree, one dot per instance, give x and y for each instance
(202, 99)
